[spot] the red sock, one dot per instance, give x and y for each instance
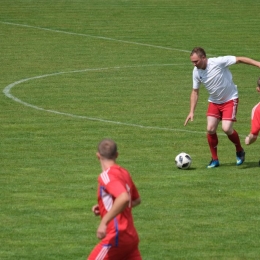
(234, 138)
(213, 142)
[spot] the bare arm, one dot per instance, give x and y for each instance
(120, 203)
(193, 102)
(248, 61)
(250, 139)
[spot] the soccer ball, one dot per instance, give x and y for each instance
(183, 161)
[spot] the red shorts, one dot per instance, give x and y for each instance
(108, 252)
(225, 111)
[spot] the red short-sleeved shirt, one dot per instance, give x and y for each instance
(111, 183)
(255, 120)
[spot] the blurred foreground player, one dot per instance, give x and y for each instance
(255, 121)
(117, 195)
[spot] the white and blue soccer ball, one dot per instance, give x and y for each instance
(183, 161)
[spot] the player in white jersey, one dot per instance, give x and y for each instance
(215, 75)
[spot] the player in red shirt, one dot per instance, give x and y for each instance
(255, 121)
(117, 195)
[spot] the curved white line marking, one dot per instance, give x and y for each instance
(93, 36)
(7, 92)
(8, 88)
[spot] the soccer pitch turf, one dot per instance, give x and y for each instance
(74, 72)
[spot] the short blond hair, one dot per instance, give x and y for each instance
(107, 148)
(199, 51)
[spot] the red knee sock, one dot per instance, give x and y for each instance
(213, 142)
(234, 138)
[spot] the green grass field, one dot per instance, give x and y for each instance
(74, 72)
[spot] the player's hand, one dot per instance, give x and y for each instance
(95, 210)
(258, 89)
(247, 140)
(189, 118)
(101, 231)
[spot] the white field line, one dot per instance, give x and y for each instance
(9, 87)
(99, 37)
(7, 92)
(93, 36)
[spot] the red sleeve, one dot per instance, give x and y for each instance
(255, 122)
(121, 181)
(115, 188)
(134, 192)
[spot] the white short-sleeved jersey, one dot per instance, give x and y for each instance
(217, 79)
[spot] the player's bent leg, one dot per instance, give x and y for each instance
(212, 124)
(233, 136)
(240, 157)
(227, 127)
(213, 144)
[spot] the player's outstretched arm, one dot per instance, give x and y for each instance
(258, 85)
(193, 102)
(250, 139)
(189, 118)
(248, 61)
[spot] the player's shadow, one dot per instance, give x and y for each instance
(191, 169)
(245, 165)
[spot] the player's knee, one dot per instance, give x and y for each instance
(211, 130)
(227, 130)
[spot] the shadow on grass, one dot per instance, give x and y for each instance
(186, 170)
(245, 165)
